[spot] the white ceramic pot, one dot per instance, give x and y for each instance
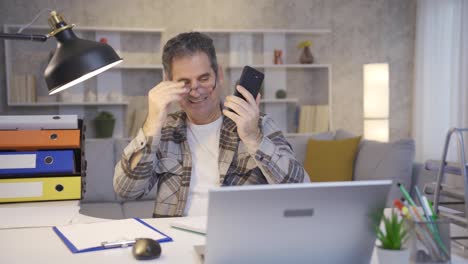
(386, 256)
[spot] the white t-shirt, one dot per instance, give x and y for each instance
(203, 141)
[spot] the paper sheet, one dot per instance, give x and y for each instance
(84, 236)
(195, 223)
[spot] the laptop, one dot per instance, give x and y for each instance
(293, 223)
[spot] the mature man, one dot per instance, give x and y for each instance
(204, 145)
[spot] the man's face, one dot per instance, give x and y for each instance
(202, 102)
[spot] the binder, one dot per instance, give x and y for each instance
(40, 189)
(81, 238)
(28, 122)
(39, 139)
(37, 162)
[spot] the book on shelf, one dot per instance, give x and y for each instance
(24, 89)
(313, 118)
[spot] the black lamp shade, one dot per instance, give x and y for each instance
(76, 60)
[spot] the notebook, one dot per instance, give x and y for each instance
(195, 224)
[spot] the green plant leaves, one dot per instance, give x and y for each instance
(394, 235)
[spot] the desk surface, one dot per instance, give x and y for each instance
(42, 245)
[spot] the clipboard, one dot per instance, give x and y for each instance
(81, 238)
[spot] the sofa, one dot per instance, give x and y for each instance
(374, 161)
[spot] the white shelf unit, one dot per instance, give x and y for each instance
(140, 71)
(279, 101)
(255, 47)
(266, 30)
(282, 66)
(40, 104)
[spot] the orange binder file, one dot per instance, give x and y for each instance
(39, 139)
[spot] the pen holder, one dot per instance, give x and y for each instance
(429, 241)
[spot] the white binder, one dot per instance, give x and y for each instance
(24, 122)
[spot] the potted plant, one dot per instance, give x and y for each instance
(392, 236)
(306, 55)
(104, 123)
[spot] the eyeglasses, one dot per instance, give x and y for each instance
(205, 85)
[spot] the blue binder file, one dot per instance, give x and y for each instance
(37, 162)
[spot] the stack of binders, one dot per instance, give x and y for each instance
(41, 158)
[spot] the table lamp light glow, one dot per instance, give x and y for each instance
(74, 59)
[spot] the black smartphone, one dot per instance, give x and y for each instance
(251, 79)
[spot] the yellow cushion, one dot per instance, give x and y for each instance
(331, 160)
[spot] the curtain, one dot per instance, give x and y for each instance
(441, 75)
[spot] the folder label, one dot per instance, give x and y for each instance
(23, 189)
(19, 161)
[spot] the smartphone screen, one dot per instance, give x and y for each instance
(251, 79)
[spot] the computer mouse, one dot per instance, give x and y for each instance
(146, 248)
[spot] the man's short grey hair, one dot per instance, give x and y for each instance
(187, 44)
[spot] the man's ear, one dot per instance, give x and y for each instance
(165, 77)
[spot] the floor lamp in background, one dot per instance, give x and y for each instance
(376, 101)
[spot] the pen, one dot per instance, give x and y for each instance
(434, 215)
(115, 244)
(406, 194)
(426, 209)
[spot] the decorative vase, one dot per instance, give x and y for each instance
(306, 56)
(104, 127)
(387, 256)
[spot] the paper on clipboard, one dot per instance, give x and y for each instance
(89, 237)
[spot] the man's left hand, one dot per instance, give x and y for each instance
(246, 116)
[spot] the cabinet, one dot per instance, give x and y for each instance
(119, 90)
(305, 84)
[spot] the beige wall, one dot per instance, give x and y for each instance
(364, 31)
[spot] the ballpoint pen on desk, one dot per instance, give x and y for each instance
(120, 243)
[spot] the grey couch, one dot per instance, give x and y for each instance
(374, 161)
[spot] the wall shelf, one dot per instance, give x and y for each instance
(283, 66)
(138, 67)
(40, 104)
(264, 30)
(285, 100)
(93, 29)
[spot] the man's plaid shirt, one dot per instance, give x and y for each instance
(166, 162)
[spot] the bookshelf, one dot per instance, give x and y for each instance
(305, 84)
(121, 89)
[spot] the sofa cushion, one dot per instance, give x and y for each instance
(99, 154)
(99, 210)
(331, 160)
(140, 209)
(343, 134)
(380, 160)
(299, 143)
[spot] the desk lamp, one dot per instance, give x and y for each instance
(74, 59)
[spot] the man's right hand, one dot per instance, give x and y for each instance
(159, 99)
